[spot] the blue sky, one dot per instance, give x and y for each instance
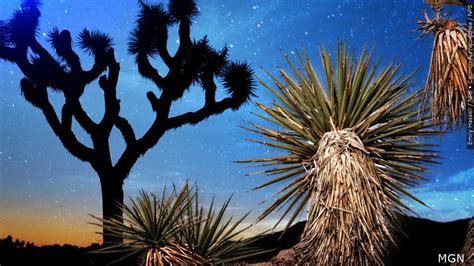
(38, 176)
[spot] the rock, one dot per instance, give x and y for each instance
(286, 256)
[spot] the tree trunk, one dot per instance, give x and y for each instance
(112, 197)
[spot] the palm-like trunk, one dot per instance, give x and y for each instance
(349, 217)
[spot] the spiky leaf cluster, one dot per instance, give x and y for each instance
(3, 33)
(216, 238)
(175, 229)
(208, 59)
(60, 41)
(182, 9)
(204, 61)
(21, 28)
(239, 82)
(151, 30)
(375, 103)
(94, 42)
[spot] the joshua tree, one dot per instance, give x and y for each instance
(353, 151)
(195, 62)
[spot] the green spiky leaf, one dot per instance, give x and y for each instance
(216, 238)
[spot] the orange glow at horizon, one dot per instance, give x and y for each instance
(47, 227)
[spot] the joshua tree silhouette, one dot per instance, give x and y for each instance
(195, 62)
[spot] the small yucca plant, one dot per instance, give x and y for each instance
(150, 227)
(175, 230)
(446, 84)
(352, 153)
(218, 239)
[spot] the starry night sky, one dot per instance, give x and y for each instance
(46, 195)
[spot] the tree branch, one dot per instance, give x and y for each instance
(210, 88)
(73, 61)
(139, 147)
(184, 40)
(100, 65)
(165, 55)
(38, 49)
(193, 118)
(82, 117)
(54, 76)
(109, 85)
(150, 138)
(22, 62)
(126, 129)
(65, 134)
(62, 43)
(154, 101)
(148, 71)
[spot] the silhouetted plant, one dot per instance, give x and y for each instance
(195, 62)
(353, 152)
(174, 229)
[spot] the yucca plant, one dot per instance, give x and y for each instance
(150, 227)
(218, 239)
(446, 84)
(175, 230)
(353, 151)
